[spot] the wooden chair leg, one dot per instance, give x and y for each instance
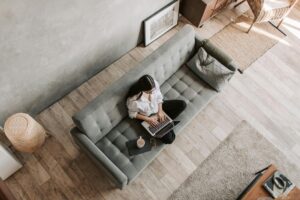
(277, 27)
(250, 27)
(280, 22)
(239, 3)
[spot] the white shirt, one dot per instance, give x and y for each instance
(142, 105)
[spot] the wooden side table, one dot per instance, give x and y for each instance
(199, 11)
(24, 132)
(257, 190)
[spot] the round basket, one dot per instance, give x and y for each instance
(24, 132)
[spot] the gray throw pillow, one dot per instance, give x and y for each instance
(210, 70)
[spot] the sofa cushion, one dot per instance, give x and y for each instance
(187, 86)
(113, 145)
(184, 85)
(210, 70)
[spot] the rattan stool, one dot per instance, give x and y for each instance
(24, 132)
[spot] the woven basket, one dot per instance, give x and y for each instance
(24, 132)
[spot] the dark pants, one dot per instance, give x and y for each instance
(173, 108)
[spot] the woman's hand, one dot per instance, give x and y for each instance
(153, 120)
(161, 116)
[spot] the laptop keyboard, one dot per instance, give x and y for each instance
(157, 127)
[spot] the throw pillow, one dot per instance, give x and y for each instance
(210, 70)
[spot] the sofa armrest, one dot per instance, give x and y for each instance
(100, 158)
(198, 42)
(220, 55)
(216, 52)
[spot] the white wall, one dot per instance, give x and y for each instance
(48, 47)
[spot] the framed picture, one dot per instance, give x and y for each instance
(161, 21)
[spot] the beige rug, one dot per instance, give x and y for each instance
(229, 169)
(246, 48)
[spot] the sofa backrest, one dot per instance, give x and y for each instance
(109, 108)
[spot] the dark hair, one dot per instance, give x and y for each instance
(145, 83)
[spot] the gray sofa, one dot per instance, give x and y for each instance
(103, 126)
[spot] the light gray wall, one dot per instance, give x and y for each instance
(48, 47)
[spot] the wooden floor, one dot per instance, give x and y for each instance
(267, 95)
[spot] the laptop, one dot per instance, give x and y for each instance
(161, 128)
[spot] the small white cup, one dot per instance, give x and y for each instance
(140, 143)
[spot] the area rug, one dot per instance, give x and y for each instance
(246, 48)
(229, 169)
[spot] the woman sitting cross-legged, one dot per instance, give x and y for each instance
(145, 102)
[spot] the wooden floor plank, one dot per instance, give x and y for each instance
(17, 190)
